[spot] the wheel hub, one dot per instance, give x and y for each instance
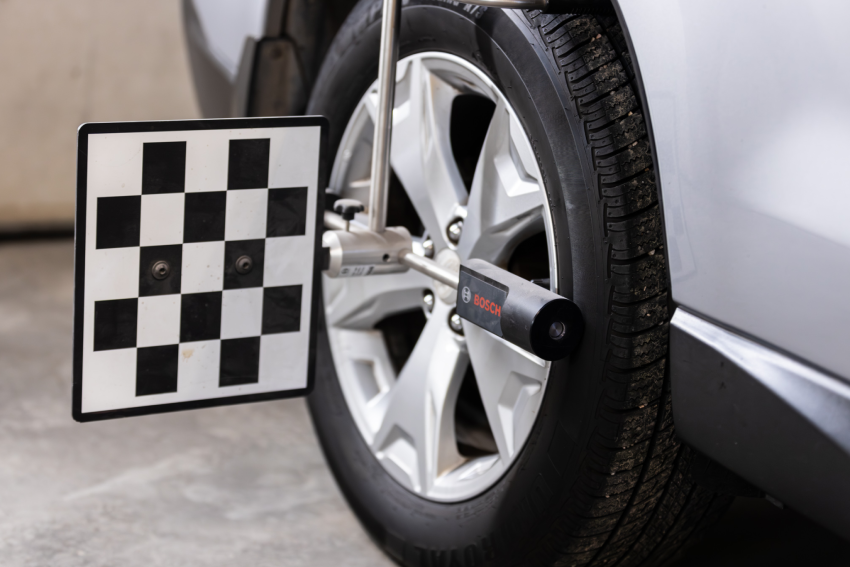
(447, 258)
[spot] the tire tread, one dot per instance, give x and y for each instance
(635, 503)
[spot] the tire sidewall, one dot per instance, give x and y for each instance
(504, 523)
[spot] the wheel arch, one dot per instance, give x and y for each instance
(277, 64)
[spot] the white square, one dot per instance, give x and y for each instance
(206, 162)
(198, 369)
(288, 261)
(294, 157)
(283, 360)
(162, 219)
(203, 267)
(114, 165)
(159, 320)
(246, 214)
(112, 273)
(242, 313)
(110, 379)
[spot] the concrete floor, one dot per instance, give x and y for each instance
(243, 485)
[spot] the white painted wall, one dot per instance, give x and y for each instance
(65, 62)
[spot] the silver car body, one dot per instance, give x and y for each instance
(750, 116)
(226, 25)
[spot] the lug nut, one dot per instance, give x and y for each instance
(455, 323)
(454, 230)
(428, 247)
(428, 300)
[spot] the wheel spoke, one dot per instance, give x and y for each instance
(360, 303)
(506, 201)
(421, 151)
(510, 381)
(365, 373)
(417, 434)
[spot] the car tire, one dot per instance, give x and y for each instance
(602, 479)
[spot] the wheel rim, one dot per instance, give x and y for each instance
(407, 416)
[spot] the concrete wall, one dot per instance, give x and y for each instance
(65, 62)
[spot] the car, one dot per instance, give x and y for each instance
(672, 168)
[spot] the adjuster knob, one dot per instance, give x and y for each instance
(347, 208)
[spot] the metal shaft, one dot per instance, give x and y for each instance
(382, 141)
(429, 267)
(334, 222)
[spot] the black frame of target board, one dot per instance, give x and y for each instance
(80, 247)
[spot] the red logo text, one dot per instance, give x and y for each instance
(488, 305)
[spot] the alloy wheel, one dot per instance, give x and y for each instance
(445, 408)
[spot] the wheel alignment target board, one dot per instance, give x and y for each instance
(197, 261)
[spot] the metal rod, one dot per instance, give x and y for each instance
(334, 222)
(429, 267)
(382, 141)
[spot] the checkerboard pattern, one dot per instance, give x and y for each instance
(222, 273)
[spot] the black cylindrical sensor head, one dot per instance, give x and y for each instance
(525, 314)
(556, 328)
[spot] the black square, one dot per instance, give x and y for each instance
(163, 167)
(119, 221)
(115, 323)
(248, 164)
(282, 309)
(156, 370)
(236, 249)
(287, 212)
(204, 216)
(164, 281)
(200, 316)
(240, 362)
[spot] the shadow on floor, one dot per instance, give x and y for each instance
(755, 533)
